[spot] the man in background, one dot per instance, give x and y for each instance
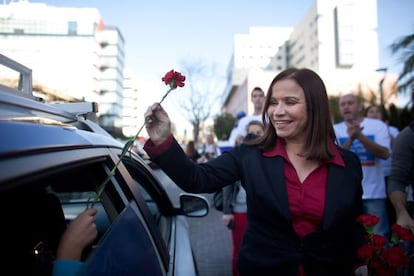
(257, 98)
(370, 141)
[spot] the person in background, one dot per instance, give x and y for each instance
(401, 183)
(192, 153)
(211, 149)
(402, 175)
(303, 192)
(257, 98)
(80, 233)
(235, 209)
(370, 140)
(375, 112)
(233, 133)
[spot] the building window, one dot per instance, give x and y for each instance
(72, 28)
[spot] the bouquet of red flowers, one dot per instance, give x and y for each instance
(383, 257)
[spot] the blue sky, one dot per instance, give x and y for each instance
(159, 34)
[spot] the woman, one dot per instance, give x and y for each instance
(303, 192)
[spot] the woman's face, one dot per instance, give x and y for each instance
(287, 110)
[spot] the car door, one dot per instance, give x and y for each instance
(171, 224)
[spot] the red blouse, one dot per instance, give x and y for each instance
(307, 199)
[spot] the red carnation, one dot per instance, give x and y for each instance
(173, 79)
(378, 241)
(395, 257)
(366, 251)
(368, 219)
(402, 232)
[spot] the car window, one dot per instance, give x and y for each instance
(49, 199)
(147, 185)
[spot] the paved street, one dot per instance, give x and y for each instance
(210, 238)
(212, 244)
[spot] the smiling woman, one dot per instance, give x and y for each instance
(303, 192)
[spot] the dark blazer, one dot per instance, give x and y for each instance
(229, 197)
(270, 245)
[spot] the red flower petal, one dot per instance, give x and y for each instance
(174, 79)
(368, 219)
(366, 251)
(402, 232)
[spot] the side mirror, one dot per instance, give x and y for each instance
(192, 205)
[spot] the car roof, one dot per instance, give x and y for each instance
(26, 136)
(27, 123)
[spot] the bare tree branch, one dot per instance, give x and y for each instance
(201, 100)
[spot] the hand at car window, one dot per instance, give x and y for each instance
(79, 234)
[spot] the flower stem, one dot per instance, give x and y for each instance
(125, 149)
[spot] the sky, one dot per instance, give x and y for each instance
(160, 35)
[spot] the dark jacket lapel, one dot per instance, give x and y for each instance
(333, 193)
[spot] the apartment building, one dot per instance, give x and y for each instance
(337, 39)
(70, 51)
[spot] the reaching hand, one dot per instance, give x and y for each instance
(79, 234)
(158, 123)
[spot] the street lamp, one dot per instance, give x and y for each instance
(381, 92)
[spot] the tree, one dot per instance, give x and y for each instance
(202, 94)
(404, 47)
(223, 124)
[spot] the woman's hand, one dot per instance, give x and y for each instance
(158, 123)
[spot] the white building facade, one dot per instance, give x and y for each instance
(131, 106)
(252, 55)
(337, 39)
(69, 50)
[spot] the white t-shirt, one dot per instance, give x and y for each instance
(212, 150)
(242, 127)
(373, 182)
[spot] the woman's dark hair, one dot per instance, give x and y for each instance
(319, 130)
